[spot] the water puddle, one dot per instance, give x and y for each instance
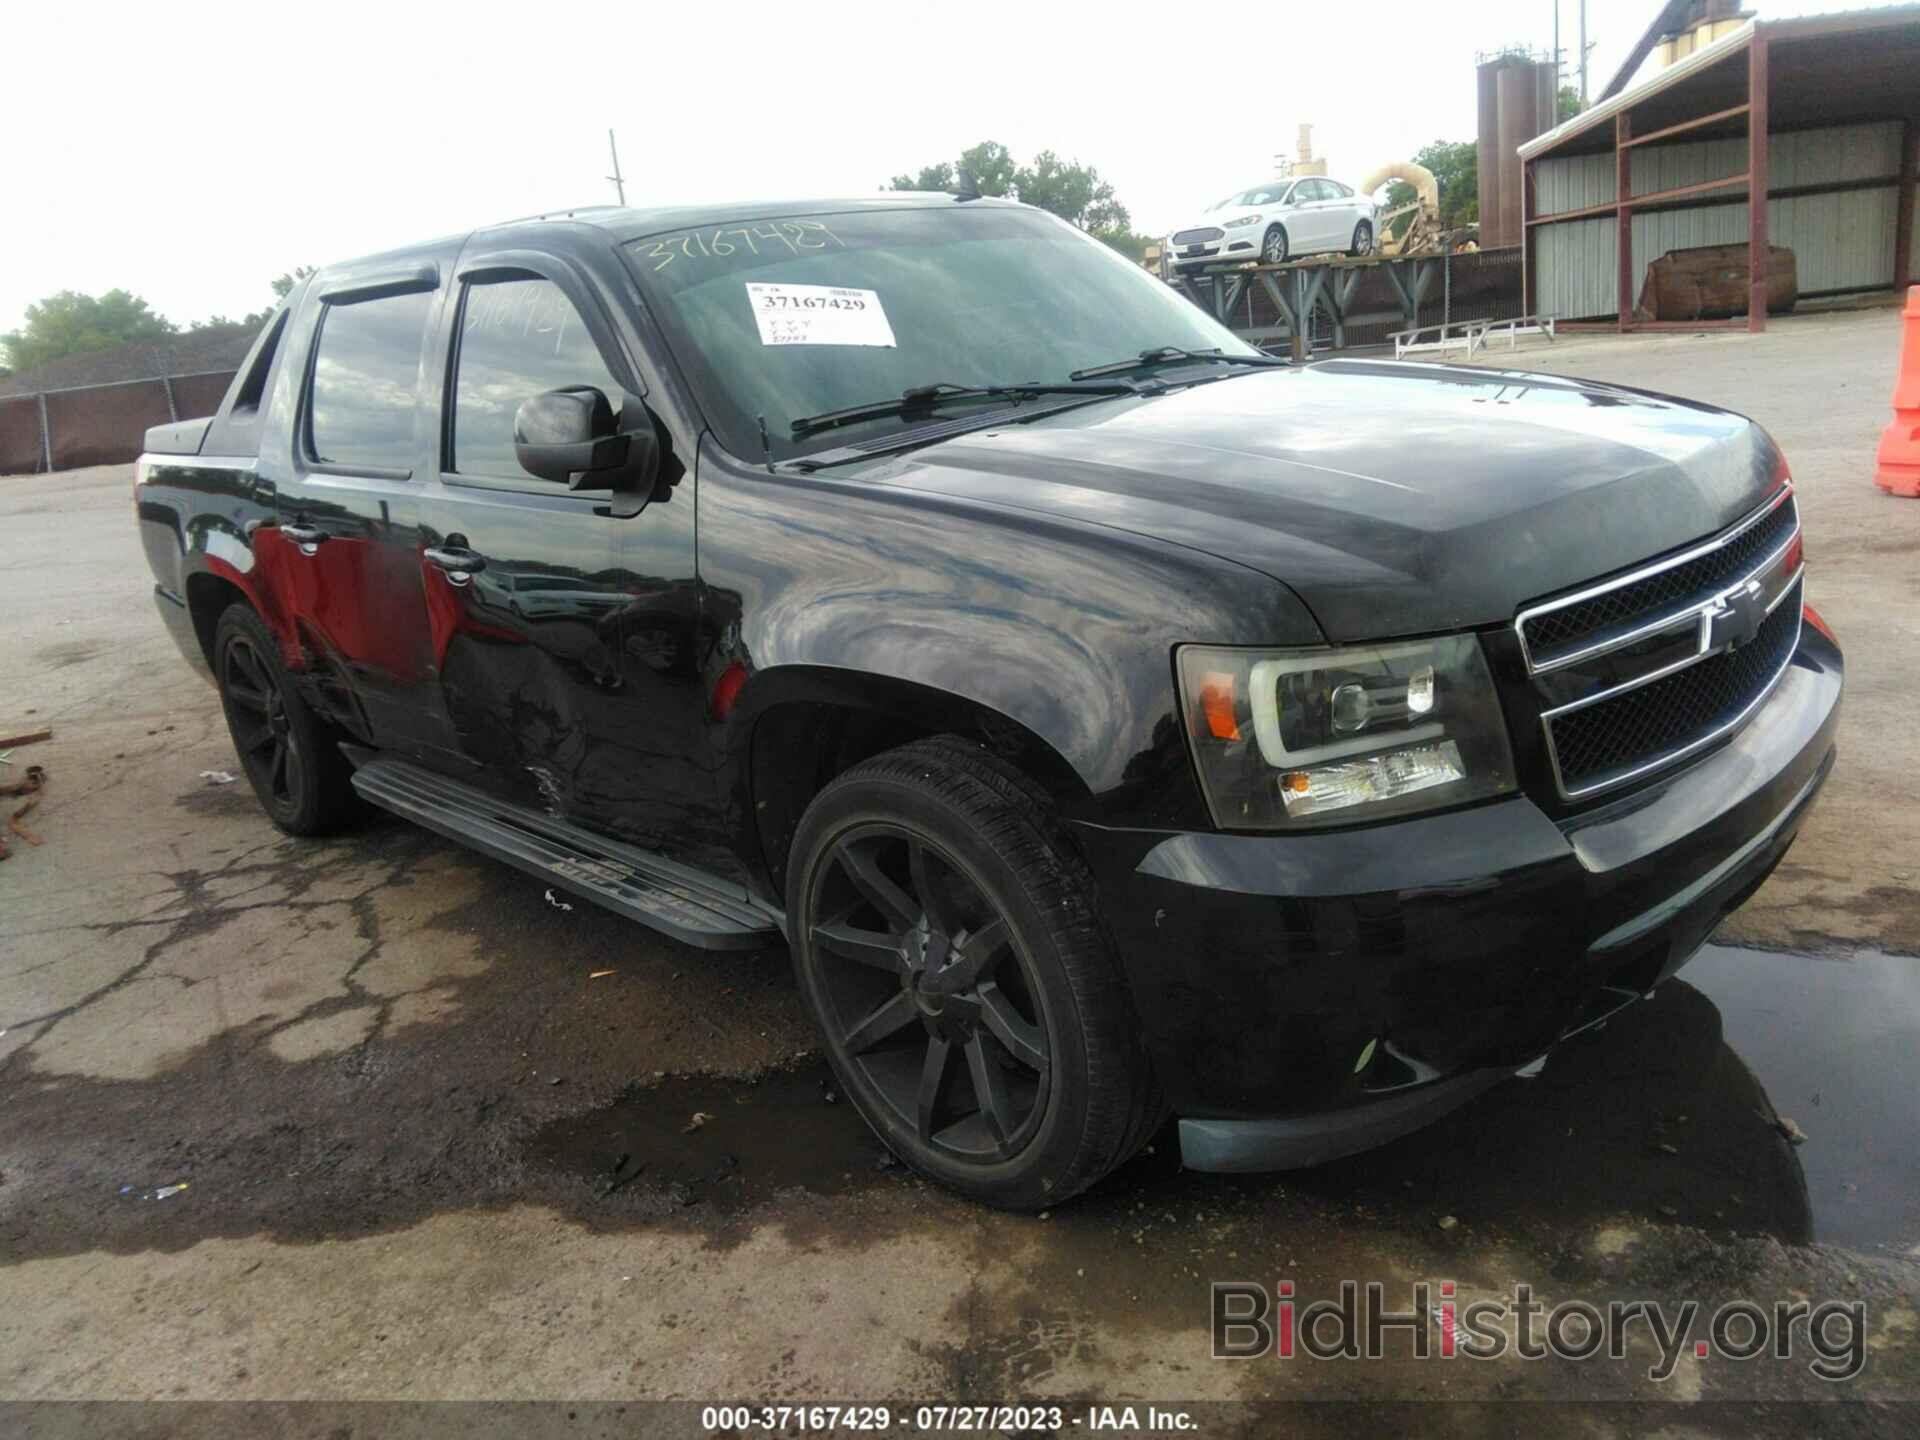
(1672, 1112)
(1834, 1040)
(724, 1144)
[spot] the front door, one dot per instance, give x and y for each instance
(566, 638)
(1311, 196)
(342, 561)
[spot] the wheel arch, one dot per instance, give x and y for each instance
(835, 719)
(208, 596)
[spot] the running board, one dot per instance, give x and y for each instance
(676, 900)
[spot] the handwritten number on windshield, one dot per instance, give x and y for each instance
(797, 236)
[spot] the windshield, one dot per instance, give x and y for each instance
(1258, 195)
(798, 316)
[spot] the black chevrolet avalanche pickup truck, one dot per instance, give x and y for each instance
(1114, 722)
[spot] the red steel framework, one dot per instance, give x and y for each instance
(1755, 110)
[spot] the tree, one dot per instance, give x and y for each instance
(70, 323)
(989, 163)
(1066, 188)
(1129, 242)
(931, 177)
(288, 279)
(1567, 104)
(1456, 167)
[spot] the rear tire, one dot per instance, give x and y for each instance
(1362, 239)
(946, 940)
(291, 756)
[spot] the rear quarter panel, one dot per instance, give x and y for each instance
(197, 516)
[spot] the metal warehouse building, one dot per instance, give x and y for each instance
(1821, 115)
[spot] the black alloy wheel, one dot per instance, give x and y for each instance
(262, 732)
(947, 939)
(291, 757)
(929, 996)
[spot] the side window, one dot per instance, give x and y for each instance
(361, 407)
(517, 339)
(1339, 191)
(247, 401)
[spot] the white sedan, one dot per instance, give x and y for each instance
(1275, 222)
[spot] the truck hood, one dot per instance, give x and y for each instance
(1394, 499)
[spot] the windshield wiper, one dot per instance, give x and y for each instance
(1169, 355)
(926, 398)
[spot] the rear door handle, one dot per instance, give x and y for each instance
(455, 558)
(303, 534)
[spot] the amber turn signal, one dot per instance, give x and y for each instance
(1815, 619)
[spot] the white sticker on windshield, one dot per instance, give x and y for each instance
(818, 315)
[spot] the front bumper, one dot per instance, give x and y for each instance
(1236, 247)
(1308, 996)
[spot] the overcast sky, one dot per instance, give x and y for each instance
(191, 152)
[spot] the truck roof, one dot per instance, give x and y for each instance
(630, 222)
(623, 223)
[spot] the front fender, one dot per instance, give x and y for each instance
(1063, 628)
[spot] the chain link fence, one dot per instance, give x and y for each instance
(99, 424)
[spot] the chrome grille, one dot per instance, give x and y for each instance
(1673, 713)
(1637, 672)
(1570, 627)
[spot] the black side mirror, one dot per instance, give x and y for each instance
(572, 437)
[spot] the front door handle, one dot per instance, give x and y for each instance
(455, 559)
(300, 534)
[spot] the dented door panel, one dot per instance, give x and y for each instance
(567, 661)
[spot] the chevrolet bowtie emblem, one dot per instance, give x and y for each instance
(1733, 619)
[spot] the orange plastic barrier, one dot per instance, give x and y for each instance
(1899, 471)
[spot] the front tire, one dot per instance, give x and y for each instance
(946, 942)
(289, 754)
(1274, 246)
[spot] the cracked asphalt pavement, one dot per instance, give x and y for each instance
(429, 1151)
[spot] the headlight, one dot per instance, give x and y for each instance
(1287, 739)
(1243, 220)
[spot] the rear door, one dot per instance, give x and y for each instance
(1343, 206)
(566, 649)
(342, 559)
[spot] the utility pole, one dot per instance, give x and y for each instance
(1583, 54)
(1556, 62)
(619, 185)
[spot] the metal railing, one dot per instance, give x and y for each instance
(1341, 302)
(1473, 334)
